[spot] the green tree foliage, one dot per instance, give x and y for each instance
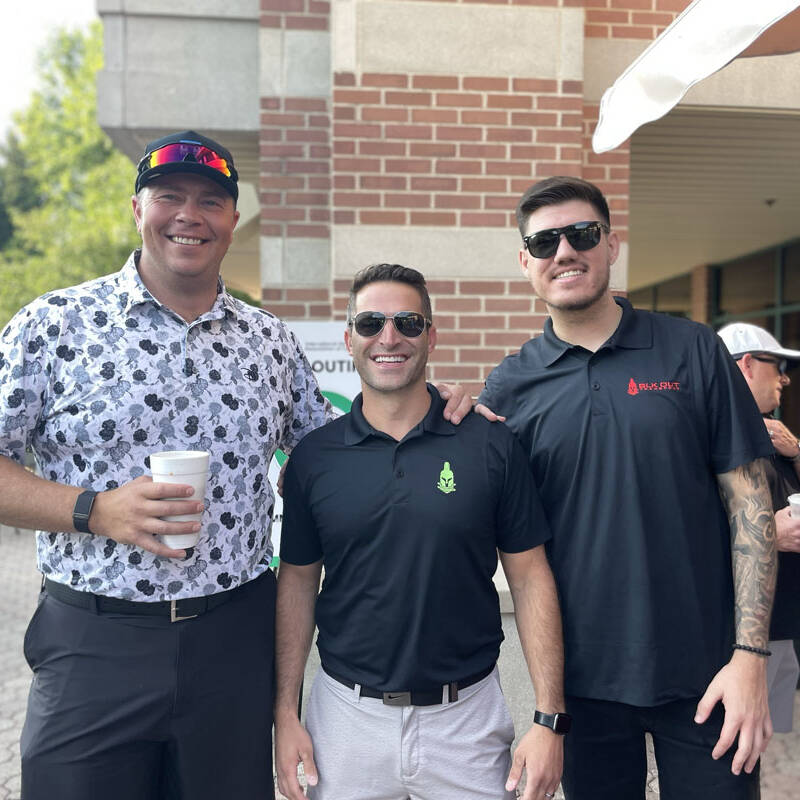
(64, 188)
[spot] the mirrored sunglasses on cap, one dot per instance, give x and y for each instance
(580, 235)
(408, 323)
(177, 152)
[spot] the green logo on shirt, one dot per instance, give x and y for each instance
(447, 481)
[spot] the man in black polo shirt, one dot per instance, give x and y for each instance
(406, 513)
(634, 424)
(762, 361)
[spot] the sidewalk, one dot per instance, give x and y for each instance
(19, 585)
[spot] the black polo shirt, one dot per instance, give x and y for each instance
(624, 445)
(408, 533)
(785, 623)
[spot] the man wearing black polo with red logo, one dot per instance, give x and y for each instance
(407, 513)
(645, 444)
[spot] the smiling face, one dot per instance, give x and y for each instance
(570, 280)
(186, 222)
(389, 361)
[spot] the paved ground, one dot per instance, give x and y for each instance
(19, 584)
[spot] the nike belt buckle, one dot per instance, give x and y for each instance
(173, 616)
(397, 698)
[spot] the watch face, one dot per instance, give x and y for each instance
(562, 723)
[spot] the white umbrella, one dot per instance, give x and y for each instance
(701, 40)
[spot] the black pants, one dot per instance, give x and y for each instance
(138, 708)
(605, 755)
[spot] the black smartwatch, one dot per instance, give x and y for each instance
(82, 510)
(558, 723)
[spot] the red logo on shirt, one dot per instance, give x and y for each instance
(654, 386)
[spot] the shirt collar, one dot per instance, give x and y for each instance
(634, 332)
(357, 429)
(133, 292)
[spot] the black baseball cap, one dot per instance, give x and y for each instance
(191, 152)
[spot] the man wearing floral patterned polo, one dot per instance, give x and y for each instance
(152, 666)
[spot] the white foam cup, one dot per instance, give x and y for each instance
(794, 505)
(188, 467)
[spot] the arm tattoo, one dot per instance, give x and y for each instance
(746, 497)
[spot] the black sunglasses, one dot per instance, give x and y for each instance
(780, 363)
(408, 323)
(581, 236)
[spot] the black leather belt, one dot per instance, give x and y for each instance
(176, 610)
(417, 697)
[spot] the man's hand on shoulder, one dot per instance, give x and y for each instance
(540, 753)
(741, 685)
(293, 747)
(131, 514)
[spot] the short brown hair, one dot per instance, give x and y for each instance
(389, 272)
(557, 190)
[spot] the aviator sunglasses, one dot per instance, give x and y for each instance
(580, 235)
(408, 323)
(185, 151)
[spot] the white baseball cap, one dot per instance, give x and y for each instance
(741, 338)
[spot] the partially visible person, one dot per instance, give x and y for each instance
(647, 450)
(763, 361)
(407, 513)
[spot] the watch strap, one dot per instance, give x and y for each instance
(558, 723)
(82, 510)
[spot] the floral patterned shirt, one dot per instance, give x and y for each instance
(96, 377)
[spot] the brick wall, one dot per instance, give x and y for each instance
(630, 19)
(448, 150)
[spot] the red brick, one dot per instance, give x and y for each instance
(319, 121)
(382, 148)
(356, 96)
(270, 198)
(409, 131)
(283, 120)
(483, 355)
(344, 112)
(534, 85)
(434, 184)
(484, 117)
(306, 23)
(508, 168)
(270, 230)
(509, 304)
(456, 304)
(484, 184)
(270, 150)
(570, 153)
(457, 167)
(407, 165)
(281, 182)
(358, 199)
(270, 21)
(532, 152)
(459, 133)
(270, 102)
(546, 169)
(380, 114)
(482, 150)
(651, 18)
(457, 338)
(306, 198)
(305, 104)
(381, 79)
(443, 355)
(319, 151)
(434, 115)
(432, 218)
(631, 32)
(316, 7)
(357, 131)
(602, 15)
(469, 201)
(382, 182)
(309, 231)
(320, 311)
(434, 82)
(449, 372)
(382, 217)
(344, 217)
(484, 220)
(559, 136)
(460, 99)
(481, 287)
(631, 4)
(285, 214)
(341, 285)
(596, 31)
(433, 149)
(301, 135)
(344, 147)
(407, 98)
(344, 79)
(319, 182)
(319, 215)
(357, 164)
(509, 101)
(534, 119)
(486, 84)
(511, 341)
(572, 87)
(498, 203)
(672, 5)
(439, 286)
(295, 6)
(509, 135)
(559, 103)
(407, 201)
(286, 310)
(481, 321)
(308, 295)
(526, 322)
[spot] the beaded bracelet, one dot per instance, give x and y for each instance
(759, 651)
